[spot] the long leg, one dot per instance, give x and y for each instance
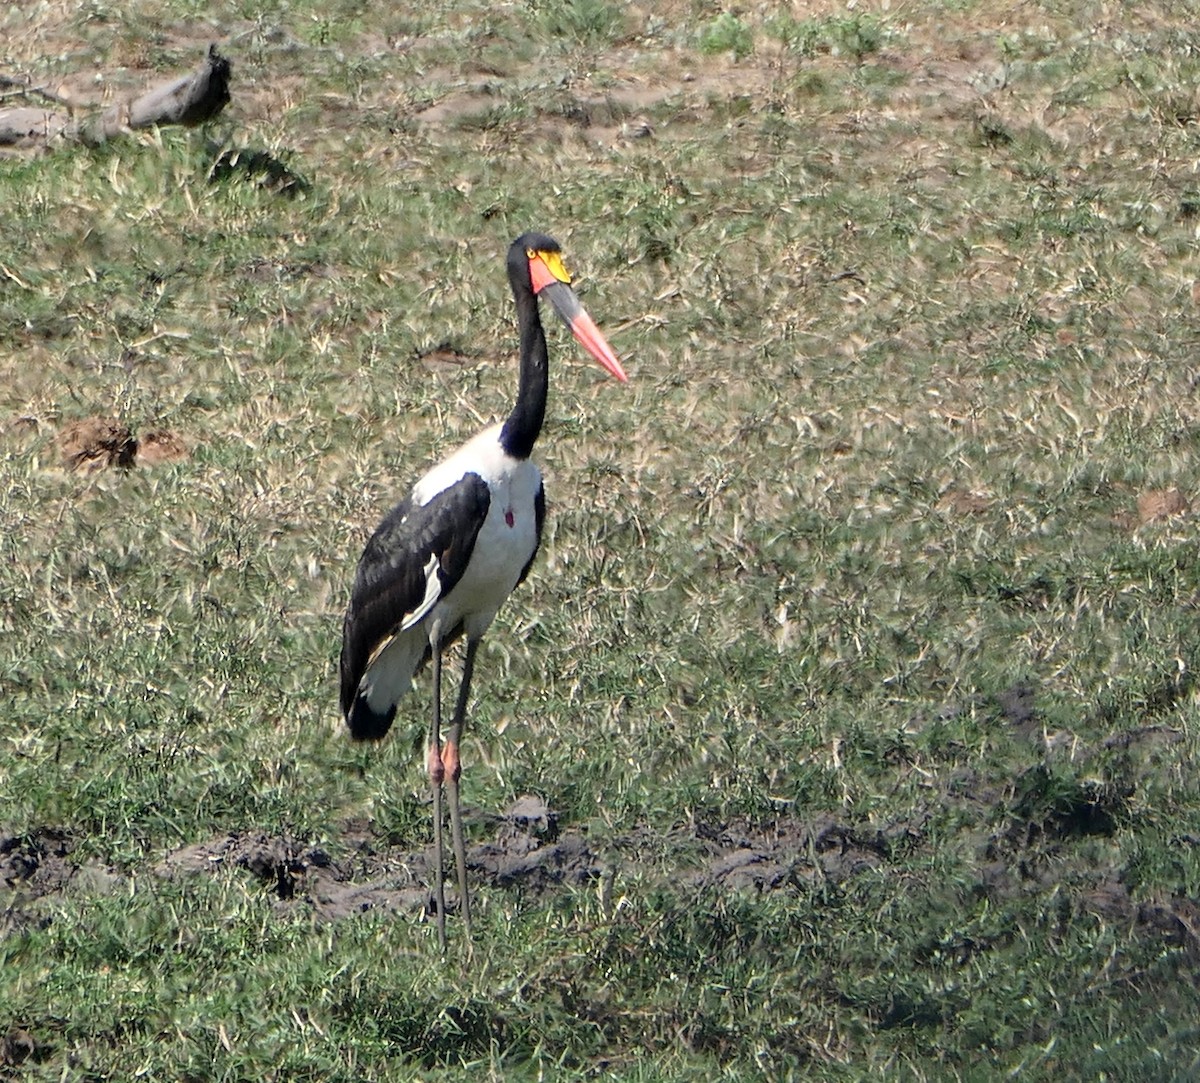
(453, 772)
(437, 773)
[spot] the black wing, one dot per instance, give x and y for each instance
(393, 582)
(539, 518)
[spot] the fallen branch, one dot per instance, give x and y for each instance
(188, 100)
(21, 88)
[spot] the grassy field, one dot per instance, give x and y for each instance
(847, 726)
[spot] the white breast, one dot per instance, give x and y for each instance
(506, 541)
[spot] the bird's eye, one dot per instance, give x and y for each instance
(530, 253)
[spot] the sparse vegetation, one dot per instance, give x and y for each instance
(856, 34)
(727, 34)
(856, 681)
(584, 22)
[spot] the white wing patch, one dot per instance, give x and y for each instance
(433, 591)
(480, 455)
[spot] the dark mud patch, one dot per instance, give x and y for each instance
(788, 852)
(570, 861)
(17, 1048)
(361, 870)
(279, 862)
(1173, 921)
(297, 873)
(525, 853)
(35, 869)
(1050, 807)
(36, 863)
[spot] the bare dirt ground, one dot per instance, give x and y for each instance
(527, 854)
(94, 443)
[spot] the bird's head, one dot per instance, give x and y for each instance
(537, 259)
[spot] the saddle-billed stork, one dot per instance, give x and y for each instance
(443, 560)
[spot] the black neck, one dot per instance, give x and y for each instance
(521, 430)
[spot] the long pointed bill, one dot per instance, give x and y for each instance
(567, 305)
